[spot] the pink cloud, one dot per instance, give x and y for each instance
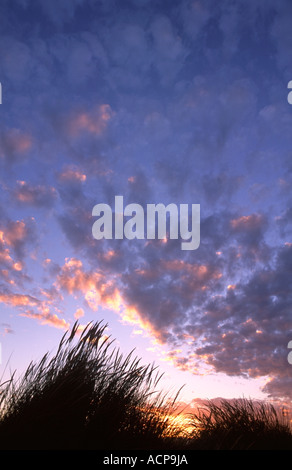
(79, 313)
(94, 122)
(47, 318)
(100, 291)
(14, 141)
(72, 174)
(18, 300)
(247, 222)
(38, 195)
(15, 232)
(187, 272)
(14, 237)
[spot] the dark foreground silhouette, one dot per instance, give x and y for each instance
(88, 397)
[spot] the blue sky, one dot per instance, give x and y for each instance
(160, 102)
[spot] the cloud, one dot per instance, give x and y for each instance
(76, 224)
(101, 291)
(195, 16)
(40, 308)
(17, 235)
(72, 174)
(253, 325)
(94, 122)
(249, 228)
(167, 44)
(6, 329)
(71, 182)
(220, 187)
(279, 32)
(40, 196)
(12, 269)
(57, 16)
(14, 144)
(18, 299)
(16, 238)
(47, 318)
(94, 286)
(279, 387)
(174, 299)
(17, 60)
(79, 313)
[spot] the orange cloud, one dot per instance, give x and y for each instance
(247, 222)
(197, 272)
(47, 318)
(200, 272)
(18, 266)
(18, 300)
(109, 255)
(94, 122)
(98, 291)
(12, 237)
(231, 286)
(15, 141)
(16, 231)
(131, 315)
(72, 174)
(179, 265)
(73, 279)
(186, 362)
(29, 194)
(79, 313)
(5, 256)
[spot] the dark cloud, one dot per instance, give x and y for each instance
(76, 226)
(253, 325)
(279, 387)
(220, 188)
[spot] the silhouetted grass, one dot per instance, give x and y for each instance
(239, 425)
(88, 396)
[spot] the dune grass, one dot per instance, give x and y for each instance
(89, 397)
(241, 424)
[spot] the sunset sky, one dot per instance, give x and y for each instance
(161, 102)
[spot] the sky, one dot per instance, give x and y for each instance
(181, 102)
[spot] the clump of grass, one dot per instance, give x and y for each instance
(239, 425)
(87, 396)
